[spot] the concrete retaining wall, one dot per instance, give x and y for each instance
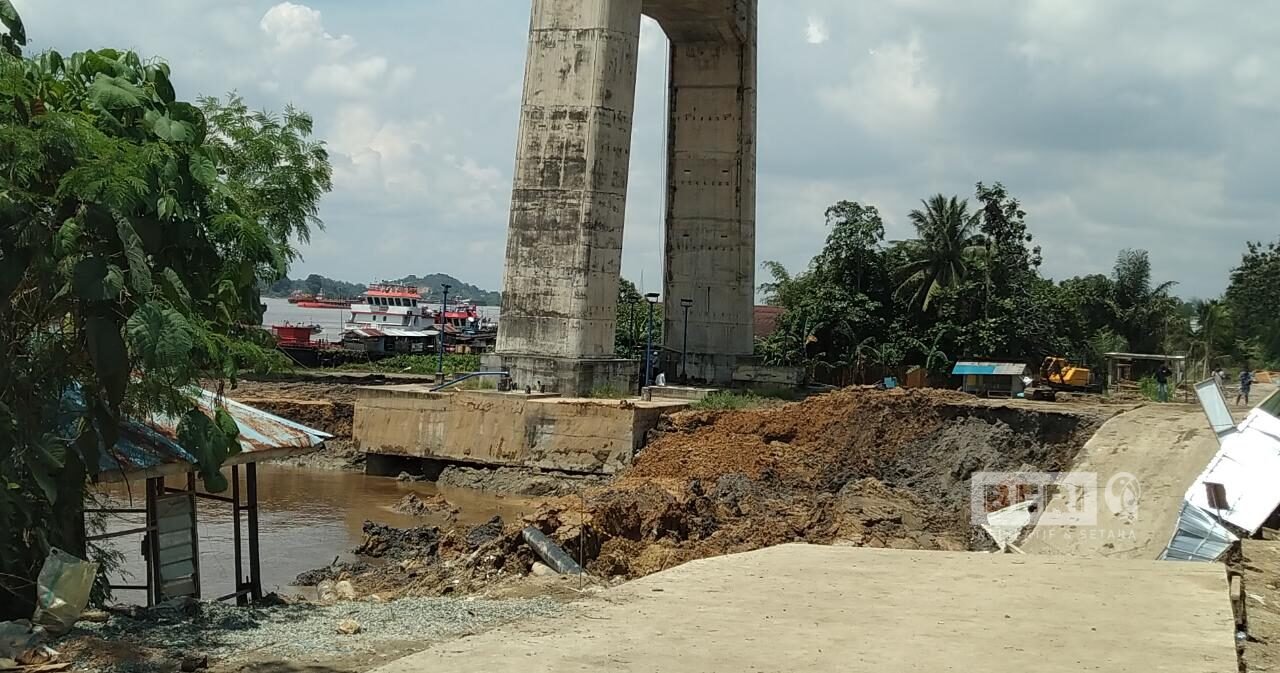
(504, 429)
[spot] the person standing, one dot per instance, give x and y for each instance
(1246, 386)
(1162, 382)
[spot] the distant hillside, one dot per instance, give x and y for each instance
(430, 286)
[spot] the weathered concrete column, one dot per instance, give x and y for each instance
(564, 242)
(711, 190)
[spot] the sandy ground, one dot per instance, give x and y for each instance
(1164, 447)
(813, 608)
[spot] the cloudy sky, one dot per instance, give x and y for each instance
(1148, 124)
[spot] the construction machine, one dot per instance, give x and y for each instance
(1059, 375)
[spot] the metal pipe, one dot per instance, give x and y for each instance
(648, 350)
(120, 533)
(684, 349)
(195, 532)
(550, 552)
(236, 544)
(255, 560)
(444, 309)
(472, 375)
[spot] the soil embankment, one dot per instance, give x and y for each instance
(323, 405)
(856, 467)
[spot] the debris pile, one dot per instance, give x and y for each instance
(859, 467)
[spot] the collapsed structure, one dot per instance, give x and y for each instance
(564, 241)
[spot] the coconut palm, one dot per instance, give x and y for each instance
(940, 258)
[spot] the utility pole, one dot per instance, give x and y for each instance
(684, 350)
(652, 298)
(444, 309)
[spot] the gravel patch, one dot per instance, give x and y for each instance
(304, 630)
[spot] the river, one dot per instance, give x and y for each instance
(329, 319)
(306, 518)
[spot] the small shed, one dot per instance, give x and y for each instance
(1135, 366)
(149, 451)
(987, 379)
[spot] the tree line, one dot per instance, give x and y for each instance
(969, 286)
(137, 229)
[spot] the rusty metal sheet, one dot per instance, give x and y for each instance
(153, 446)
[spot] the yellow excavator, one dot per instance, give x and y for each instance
(1059, 375)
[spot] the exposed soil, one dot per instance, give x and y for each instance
(1259, 563)
(415, 505)
(856, 467)
(516, 481)
(325, 406)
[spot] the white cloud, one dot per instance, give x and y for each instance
(353, 79)
(889, 90)
(296, 27)
(816, 30)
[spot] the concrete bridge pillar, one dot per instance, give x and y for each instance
(564, 242)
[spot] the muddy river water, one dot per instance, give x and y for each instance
(306, 518)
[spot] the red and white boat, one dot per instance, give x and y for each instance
(391, 318)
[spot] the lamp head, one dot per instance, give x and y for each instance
(652, 297)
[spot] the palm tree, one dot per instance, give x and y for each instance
(1210, 314)
(940, 257)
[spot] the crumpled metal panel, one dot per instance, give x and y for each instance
(1198, 537)
(150, 445)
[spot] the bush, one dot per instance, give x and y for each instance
(421, 365)
(729, 401)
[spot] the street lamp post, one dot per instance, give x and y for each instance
(444, 308)
(684, 349)
(652, 298)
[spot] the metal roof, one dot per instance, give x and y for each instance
(1198, 537)
(989, 369)
(151, 449)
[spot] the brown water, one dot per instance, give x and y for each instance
(306, 518)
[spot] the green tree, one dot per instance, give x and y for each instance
(940, 258)
(1251, 300)
(137, 229)
(1144, 312)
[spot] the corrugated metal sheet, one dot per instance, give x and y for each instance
(153, 446)
(1198, 537)
(989, 369)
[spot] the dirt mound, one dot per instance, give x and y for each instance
(415, 505)
(818, 443)
(381, 541)
(857, 467)
(335, 572)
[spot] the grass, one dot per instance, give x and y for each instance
(608, 393)
(417, 364)
(727, 400)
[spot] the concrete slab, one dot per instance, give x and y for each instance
(504, 429)
(807, 608)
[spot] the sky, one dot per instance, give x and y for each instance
(1118, 124)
